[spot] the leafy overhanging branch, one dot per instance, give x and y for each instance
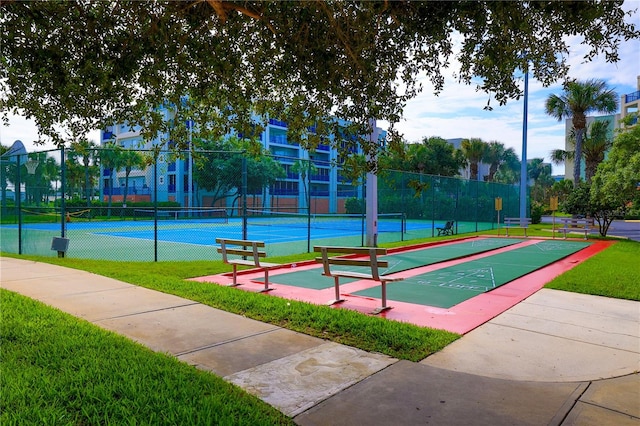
(74, 66)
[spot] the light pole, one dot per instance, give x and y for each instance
(372, 189)
(190, 175)
(523, 166)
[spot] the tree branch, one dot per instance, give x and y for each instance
(222, 8)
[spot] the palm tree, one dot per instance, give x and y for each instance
(595, 144)
(305, 168)
(130, 160)
(110, 160)
(51, 172)
(3, 177)
(540, 173)
(509, 170)
(578, 99)
(86, 149)
(474, 150)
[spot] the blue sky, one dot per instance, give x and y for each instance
(457, 112)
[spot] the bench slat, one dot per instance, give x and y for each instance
(240, 252)
(351, 250)
(244, 243)
(354, 262)
(252, 263)
(350, 274)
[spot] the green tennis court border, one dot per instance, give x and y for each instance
(449, 286)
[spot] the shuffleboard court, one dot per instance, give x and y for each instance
(449, 286)
(398, 262)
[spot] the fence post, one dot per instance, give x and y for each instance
(308, 195)
(63, 180)
(244, 196)
(18, 193)
(155, 203)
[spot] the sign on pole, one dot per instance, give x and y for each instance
(498, 204)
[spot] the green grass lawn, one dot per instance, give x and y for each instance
(57, 369)
(614, 272)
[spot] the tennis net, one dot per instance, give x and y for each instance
(387, 222)
(192, 214)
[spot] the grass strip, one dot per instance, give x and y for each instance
(57, 369)
(373, 334)
(614, 272)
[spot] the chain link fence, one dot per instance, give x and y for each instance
(142, 205)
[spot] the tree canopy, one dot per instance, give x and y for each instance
(434, 155)
(218, 168)
(81, 65)
(616, 185)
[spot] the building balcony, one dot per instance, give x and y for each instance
(632, 97)
(321, 178)
(132, 190)
(279, 123)
(280, 191)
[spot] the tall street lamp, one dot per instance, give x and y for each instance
(523, 166)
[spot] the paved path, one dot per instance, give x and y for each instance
(556, 358)
(619, 228)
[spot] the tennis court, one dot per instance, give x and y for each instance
(191, 235)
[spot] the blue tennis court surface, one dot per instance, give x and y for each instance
(204, 232)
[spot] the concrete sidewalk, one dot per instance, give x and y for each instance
(556, 358)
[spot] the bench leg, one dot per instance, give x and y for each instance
(384, 306)
(337, 289)
(266, 282)
(235, 276)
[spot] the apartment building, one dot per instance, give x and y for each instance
(174, 177)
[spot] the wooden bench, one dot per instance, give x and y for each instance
(251, 254)
(368, 259)
(447, 229)
(514, 222)
(576, 225)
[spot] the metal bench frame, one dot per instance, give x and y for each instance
(576, 225)
(251, 254)
(514, 222)
(367, 257)
(447, 229)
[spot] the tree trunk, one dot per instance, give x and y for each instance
(86, 182)
(579, 124)
(110, 192)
